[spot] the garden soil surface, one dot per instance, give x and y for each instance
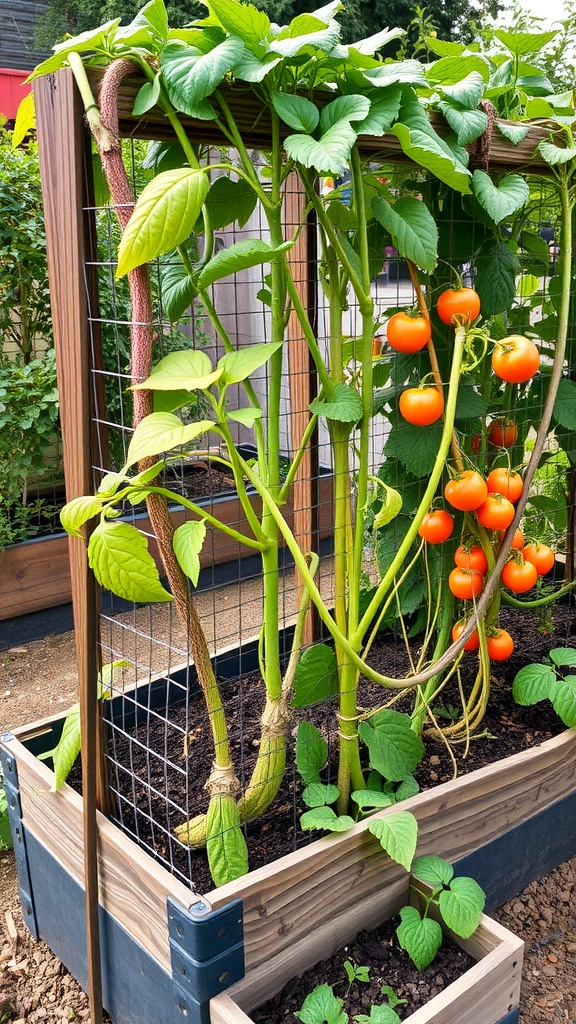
(39, 680)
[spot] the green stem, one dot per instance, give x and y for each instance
(539, 602)
(201, 512)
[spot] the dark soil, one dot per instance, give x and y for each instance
(201, 480)
(388, 965)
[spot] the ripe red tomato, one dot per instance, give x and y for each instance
(467, 491)
(475, 444)
(436, 526)
(473, 643)
(463, 303)
(517, 540)
(465, 583)
(519, 577)
(421, 406)
(408, 333)
(515, 359)
(502, 481)
(541, 556)
(474, 558)
(496, 513)
(500, 646)
(502, 433)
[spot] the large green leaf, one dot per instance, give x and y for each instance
(503, 199)
(311, 753)
(467, 92)
(242, 19)
(563, 656)
(466, 124)
(415, 448)
(428, 152)
(344, 108)
(555, 155)
(250, 252)
(92, 39)
(522, 43)
(296, 111)
(237, 366)
(329, 154)
(316, 676)
(394, 72)
(345, 405)
(325, 819)
(420, 937)
(532, 684)
(323, 37)
(187, 543)
(250, 69)
(495, 283)
(564, 700)
(160, 432)
(461, 906)
(383, 112)
(163, 217)
(321, 1006)
(178, 289)
(149, 27)
(190, 76)
(319, 795)
(515, 133)
(453, 71)
(412, 227)
(119, 558)
(186, 370)
(398, 835)
(395, 750)
(225, 844)
(78, 511)
(230, 201)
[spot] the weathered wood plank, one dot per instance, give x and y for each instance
(35, 575)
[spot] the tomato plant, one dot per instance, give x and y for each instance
(421, 406)
(436, 526)
(515, 359)
(519, 576)
(496, 513)
(465, 583)
(407, 333)
(500, 646)
(473, 558)
(506, 482)
(463, 303)
(541, 557)
(466, 491)
(502, 433)
(473, 643)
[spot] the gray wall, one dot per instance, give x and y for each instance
(17, 22)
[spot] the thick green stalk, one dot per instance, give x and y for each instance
(424, 695)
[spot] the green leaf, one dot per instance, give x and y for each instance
(395, 72)
(467, 92)
(407, 789)
(230, 201)
(555, 155)
(170, 401)
(435, 871)
(344, 108)
(147, 97)
(318, 795)
(163, 217)
(329, 154)
(190, 76)
(250, 252)
(398, 835)
(247, 416)
(502, 200)
(428, 152)
(528, 284)
(321, 1006)
(93, 39)
(225, 845)
(564, 700)
(412, 227)
(391, 506)
(461, 906)
(515, 133)
(469, 404)
(250, 69)
(67, 749)
(532, 684)
(78, 511)
(497, 268)
(153, 17)
(311, 753)
(383, 112)
(371, 798)
(395, 750)
(391, 996)
(25, 120)
(187, 544)
(237, 366)
(187, 370)
(326, 819)
(345, 405)
(421, 938)
(565, 404)
(563, 656)
(522, 43)
(415, 448)
(466, 124)
(296, 111)
(178, 289)
(316, 676)
(242, 19)
(323, 38)
(160, 432)
(119, 558)
(379, 1015)
(453, 71)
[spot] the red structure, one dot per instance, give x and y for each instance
(12, 90)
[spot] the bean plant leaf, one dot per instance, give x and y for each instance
(523, 43)
(565, 404)
(321, 1006)
(230, 201)
(435, 871)
(563, 656)
(398, 835)
(412, 227)
(453, 70)
(383, 112)
(420, 937)
(225, 846)
(311, 753)
(395, 750)
(461, 906)
(119, 558)
(564, 700)
(187, 543)
(428, 152)
(407, 788)
(316, 676)
(345, 405)
(325, 819)
(242, 19)
(467, 124)
(397, 72)
(532, 684)
(296, 111)
(371, 799)
(345, 108)
(147, 97)
(187, 370)
(247, 416)
(160, 432)
(329, 154)
(163, 217)
(190, 76)
(379, 1015)
(318, 795)
(515, 133)
(503, 199)
(178, 288)
(467, 91)
(78, 511)
(92, 39)
(555, 155)
(237, 366)
(497, 268)
(251, 252)
(323, 37)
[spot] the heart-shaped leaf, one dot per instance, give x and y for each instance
(187, 370)
(328, 155)
(398, 835)
(412, 227)
(420, 937)
(502, 200)
(296, 111)
(461, 906)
